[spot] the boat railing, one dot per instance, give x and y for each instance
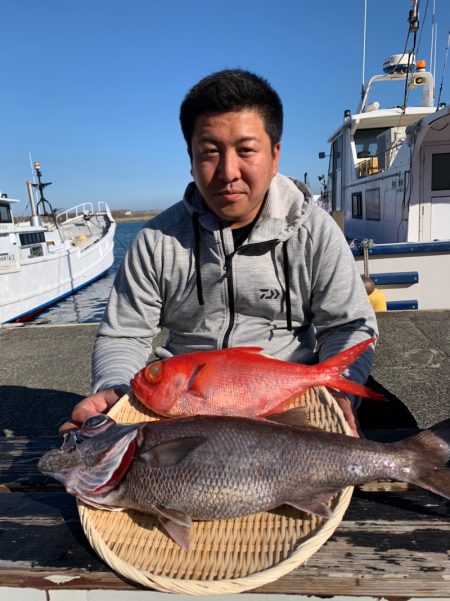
(85, 209)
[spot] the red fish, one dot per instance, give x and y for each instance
(239, 381)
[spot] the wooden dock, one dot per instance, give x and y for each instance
(393, 543)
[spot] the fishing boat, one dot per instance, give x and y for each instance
(50, 255)
(389, 184)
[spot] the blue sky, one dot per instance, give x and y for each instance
(92, 88)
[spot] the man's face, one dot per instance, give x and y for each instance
(233, 163)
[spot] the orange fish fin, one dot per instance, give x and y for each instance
(315, 505)
(244, 349)
(352, 387)
(330, 372)
(346, 357)
(205, 375)
(171, 452)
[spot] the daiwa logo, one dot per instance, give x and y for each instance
(271, 293)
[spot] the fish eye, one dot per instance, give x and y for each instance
(153, 372)
(95, 423)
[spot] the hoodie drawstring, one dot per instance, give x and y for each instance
(288, 287)
(196, 225)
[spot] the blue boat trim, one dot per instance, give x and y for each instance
(406, 305)
(395, 277)
(404, 248)
(41, 308)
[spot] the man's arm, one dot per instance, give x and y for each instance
(124, 339)
(342, 313)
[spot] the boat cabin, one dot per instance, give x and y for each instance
(389, 170)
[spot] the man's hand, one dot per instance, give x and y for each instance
(100, 402)
(349, 413)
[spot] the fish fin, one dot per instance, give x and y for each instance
(245, 349)
(345, 385)
(180, 534)
(176, 523)
(298, 416)
(99, 505)
(174, 515)
(201, 377)
(206, 373)
(432, 448)
(348, 356)
(171, 452)
(315, 505)
(336, 366)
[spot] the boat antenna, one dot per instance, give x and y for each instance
(364, 51)
(443, 70)
(32, 176)
(413, 19)
(433, 40)
(40, 186)
(433, 31)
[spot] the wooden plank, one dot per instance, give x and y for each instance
(387, 545)
(18, 463)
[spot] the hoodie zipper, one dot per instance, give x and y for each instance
(228, 268)
(229, 278)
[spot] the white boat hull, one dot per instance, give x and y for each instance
(31, 282)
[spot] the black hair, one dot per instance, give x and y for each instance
(232, 90)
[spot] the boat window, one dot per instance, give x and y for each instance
(357, 205)
(5, 213)
(440, 171)
(336, 153)
(373, 208)
(32, 238)
(366, 141)
(335, 169)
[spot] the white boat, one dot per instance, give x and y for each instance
(389, 186)
(52, 255)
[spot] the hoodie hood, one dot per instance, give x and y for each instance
(286, 206)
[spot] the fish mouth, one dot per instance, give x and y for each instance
(97, 481)
(86, 465)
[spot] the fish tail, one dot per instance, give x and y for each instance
(432, 449)
(342, 360)
(352, 387)
(335, 366)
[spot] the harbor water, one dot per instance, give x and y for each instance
(88, 304)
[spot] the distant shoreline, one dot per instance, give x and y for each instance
(123, 216)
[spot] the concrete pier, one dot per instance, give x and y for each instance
(45, 370)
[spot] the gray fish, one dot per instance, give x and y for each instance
(210, 467)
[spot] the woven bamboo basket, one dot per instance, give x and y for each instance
(225, 556)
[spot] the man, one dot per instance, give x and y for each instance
(244, 259)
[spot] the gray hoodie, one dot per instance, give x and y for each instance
(292, 288)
